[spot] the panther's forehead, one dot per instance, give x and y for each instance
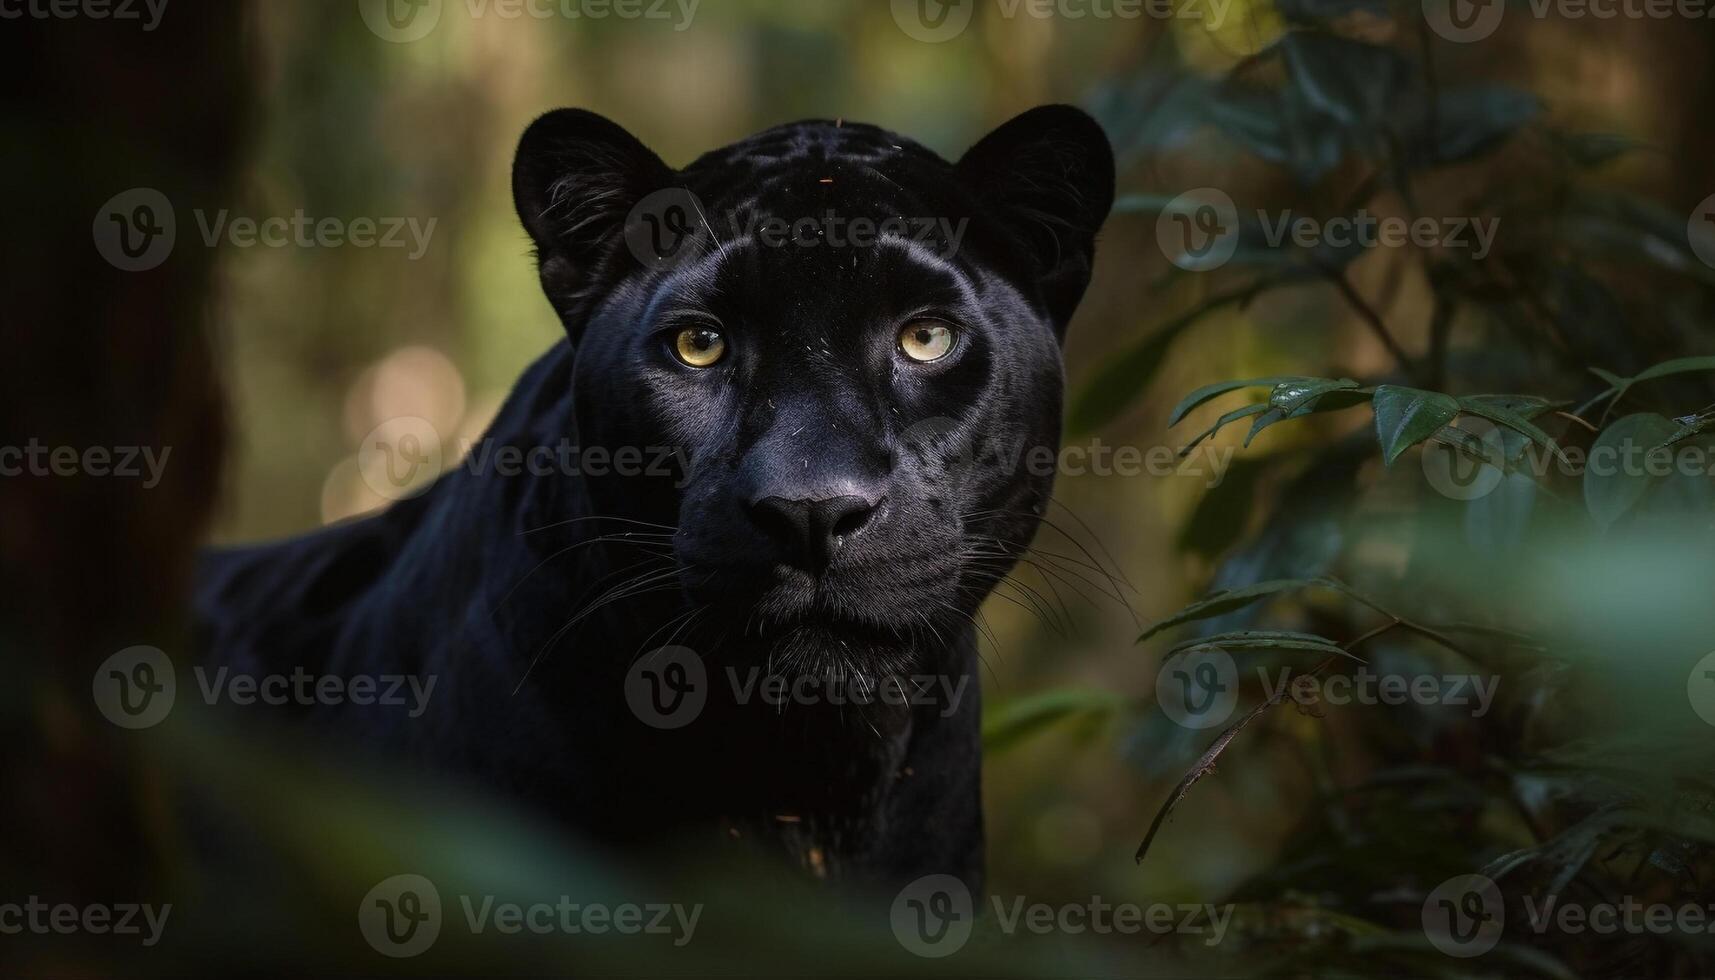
(811, 141)
(805, 167)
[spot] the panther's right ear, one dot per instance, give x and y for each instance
(575, 180)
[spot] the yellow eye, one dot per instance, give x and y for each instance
(926, 340)
(699, 347)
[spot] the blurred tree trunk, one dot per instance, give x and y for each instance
(100, 357)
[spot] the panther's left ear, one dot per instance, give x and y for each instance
(1049, 175)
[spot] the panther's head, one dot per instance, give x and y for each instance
(853, 342)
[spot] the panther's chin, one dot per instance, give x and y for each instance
(850, 621)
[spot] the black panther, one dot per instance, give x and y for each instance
(826, 516)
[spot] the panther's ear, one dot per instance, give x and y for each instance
(575, 180)
(1049, 176)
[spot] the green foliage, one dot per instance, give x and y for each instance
(1580, 585)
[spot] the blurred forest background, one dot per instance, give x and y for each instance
(1589, 139)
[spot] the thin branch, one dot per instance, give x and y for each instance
(1371, 318)
(1206, 763)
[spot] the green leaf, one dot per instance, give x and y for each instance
(1299, 397)
(1690, 425)
(1595, 149)
(1225, 601)
(1618, 386)
(1300, 394)
(1019, 719)
(1263, 640)
(1407, 416)
(1496, 413)
(1470, 122)
(1529, 406)
(1348, 81)
(1262, 422)
(1209, 392)
(1142, 203)
(1678, 366)
(1682, 365)
(1611, 487)
(1222, 422)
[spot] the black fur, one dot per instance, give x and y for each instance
(813, 522)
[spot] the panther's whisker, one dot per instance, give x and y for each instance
(1017, 584)
(638, 586)
(1095, 565)
(981, 592)
(657, 631)
(573, 547)
(1118, 569)
(599, 517)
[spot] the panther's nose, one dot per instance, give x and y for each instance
(810, 532)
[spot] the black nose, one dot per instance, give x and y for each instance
(809, 532)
